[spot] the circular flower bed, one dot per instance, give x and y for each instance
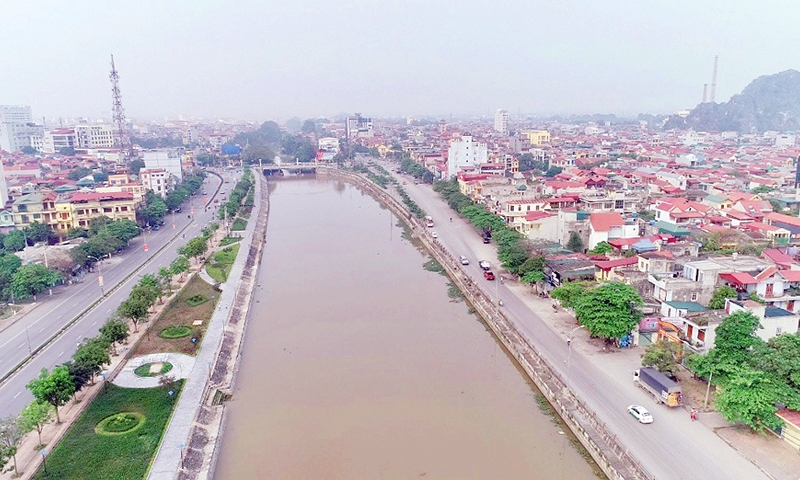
(176, 331)
(146, 370)
(120, 423)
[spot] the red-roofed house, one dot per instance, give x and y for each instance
(782, 260)
(790, 431)
(605, 226)
(605, 270)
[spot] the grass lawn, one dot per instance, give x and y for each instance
(179, 312)
(229, 241)
(219, 265)
(238, 225)
(85, 454)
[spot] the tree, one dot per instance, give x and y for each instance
(309, 126)
(749, 396)
(512, 257)
(14, 241)
(754, 297)
(32, 279)
(114, 331)
(9, 264)
(38, 232)
(54, 388)
(80, 373)
(602, 248)
(663, 355)
(134, 308)
(79, 173)
(154, 209)
(35, 416)
(28, 150)
(779, 357)
(10, 435)
(568, 293)
(93, 352)
(194, 248)
(534, 277)
(535, 263)
(575, 243)
(735, 337)
(717, 301)
(67, 151)
(135, 165)
(179, 266)
(100, 177)
(254, 153)
(609, 311)
(165, 279)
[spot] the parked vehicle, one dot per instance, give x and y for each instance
(640, 413)
(429, 221)
(484, 265)
(487, 236)
(488, 275)
(434, 234)
(464, 260)
(656, 383)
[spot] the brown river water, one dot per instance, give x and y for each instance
(357, 364)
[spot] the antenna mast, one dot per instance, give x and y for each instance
(118, 114)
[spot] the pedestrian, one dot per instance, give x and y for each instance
(693, 414)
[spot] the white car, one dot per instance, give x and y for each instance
(640, 413)
(464, 260)
(434, 235)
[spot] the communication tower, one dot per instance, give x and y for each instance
(118, 113)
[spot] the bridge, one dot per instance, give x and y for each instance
(303, 168)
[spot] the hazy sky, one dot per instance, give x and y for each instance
(281, 58)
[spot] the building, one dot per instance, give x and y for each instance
(94, 136)
(168, 159)
(34, 207)
(501, 122)
(537, 137)
(329, 144)
(16, 127)
(605, 226)
(465, 153)
(156, 179)
(85, 206)
(358, 127)
(54, 140)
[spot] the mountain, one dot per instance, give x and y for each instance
(770, 102)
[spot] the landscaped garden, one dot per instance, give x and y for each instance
(175, 330)
(116, 437)
(153, 369)
(239, 224)
(219, 265)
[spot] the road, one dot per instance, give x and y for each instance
(68, 302)
(672, 447)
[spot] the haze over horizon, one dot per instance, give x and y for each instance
(274, 60)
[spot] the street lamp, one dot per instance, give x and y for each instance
(99, 274)
(569, 351)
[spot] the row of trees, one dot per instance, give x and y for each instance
(230, 208)
(189, 185)
(105, 237)
(53, 389)
(753, 376)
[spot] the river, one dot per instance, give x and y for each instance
(358, 365)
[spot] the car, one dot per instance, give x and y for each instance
(464, 260)
(434, 234)
(179, 209)
(488, 275)
(484, 265)
(156, 227)
(640, 413)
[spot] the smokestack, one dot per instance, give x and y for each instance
(705, 92)
(714, 79)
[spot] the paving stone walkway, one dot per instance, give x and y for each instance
(181, 368)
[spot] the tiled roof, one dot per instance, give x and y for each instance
(604, 221)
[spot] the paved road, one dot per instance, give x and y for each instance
(68, 302)
(672, 447)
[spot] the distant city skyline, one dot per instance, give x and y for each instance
(254, 60)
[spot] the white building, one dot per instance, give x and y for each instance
(168, 159)
(358, 127)
(94, 136)
(55, 140)
(156, 179)
(329, 144)
(465, 153)
(501, 121)
(16, 127)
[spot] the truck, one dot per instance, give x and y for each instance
(663, 389)
(429, 221)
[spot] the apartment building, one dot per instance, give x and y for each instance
(465, 153)
(501, 122)
(537, 137)
(158, 180)
(170, 160)
(94, 136)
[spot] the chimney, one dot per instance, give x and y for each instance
(705, 92)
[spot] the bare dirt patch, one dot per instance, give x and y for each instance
(179, 312)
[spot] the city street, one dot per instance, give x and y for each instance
(39, 325)
(671, 447)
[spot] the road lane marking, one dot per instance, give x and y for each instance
(41, 330)
(17, 395)
(95, 323)
(62, 353)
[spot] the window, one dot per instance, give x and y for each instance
(694, 296)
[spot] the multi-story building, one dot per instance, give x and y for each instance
(465, 153)
(54, 140)
(537, 137)
(156, 179)
(34, 207)
(85, 206)
(501, 122)
(168, 159)
(94, 136)
(358, 127)
(17, 127)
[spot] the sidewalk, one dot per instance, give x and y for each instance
(181, 367)
(174, 446)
